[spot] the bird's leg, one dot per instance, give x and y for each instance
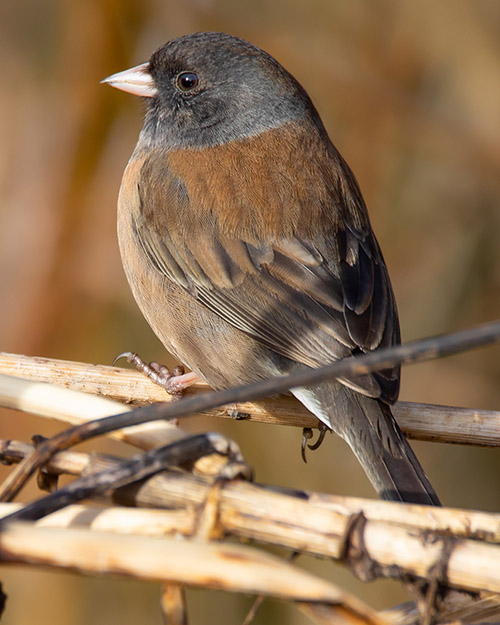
(175, 382)
(307, 434)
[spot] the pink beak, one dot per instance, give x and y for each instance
(136, 80)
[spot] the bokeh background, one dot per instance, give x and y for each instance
(410, 93)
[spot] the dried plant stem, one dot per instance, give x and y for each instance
(173, 604)
(442, 547)
(418, 421)
(225, 566)
(142, 522)
(74, 408)
(310, 523)
(116, 519)
(165, 559)
(240, 498)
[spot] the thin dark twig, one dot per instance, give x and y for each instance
(416, 351)
(133, 469)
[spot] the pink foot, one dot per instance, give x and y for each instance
(175, 382)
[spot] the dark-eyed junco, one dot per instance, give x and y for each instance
(247, 243)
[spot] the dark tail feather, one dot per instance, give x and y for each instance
(386, 455)
(371, 431)
(397, 474)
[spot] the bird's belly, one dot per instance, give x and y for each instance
(200, 339)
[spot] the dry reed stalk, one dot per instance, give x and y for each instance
(75, 408)
(116, 519)
(419, 421)
(396, 548)
(372, 538)
(240, 498)
(159, 522)
(229, 567)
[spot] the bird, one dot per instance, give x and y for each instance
(247, 244)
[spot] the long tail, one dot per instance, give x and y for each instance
(371, 431)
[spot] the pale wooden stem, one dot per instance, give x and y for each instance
(173, 604)
(312, 524)
(234, 568)
(145, 522)
(75, 407)
(419, 421)
(117, 520)
(242, 500)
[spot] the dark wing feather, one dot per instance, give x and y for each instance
(292, 306)
(312, 300)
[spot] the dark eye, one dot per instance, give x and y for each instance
(187, 81)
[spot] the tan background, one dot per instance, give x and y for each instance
(410, 93)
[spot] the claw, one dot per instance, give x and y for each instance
(323, 429)
(307, 434)
(178, 371)
(130, 356)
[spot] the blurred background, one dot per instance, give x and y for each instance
(410, 94)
